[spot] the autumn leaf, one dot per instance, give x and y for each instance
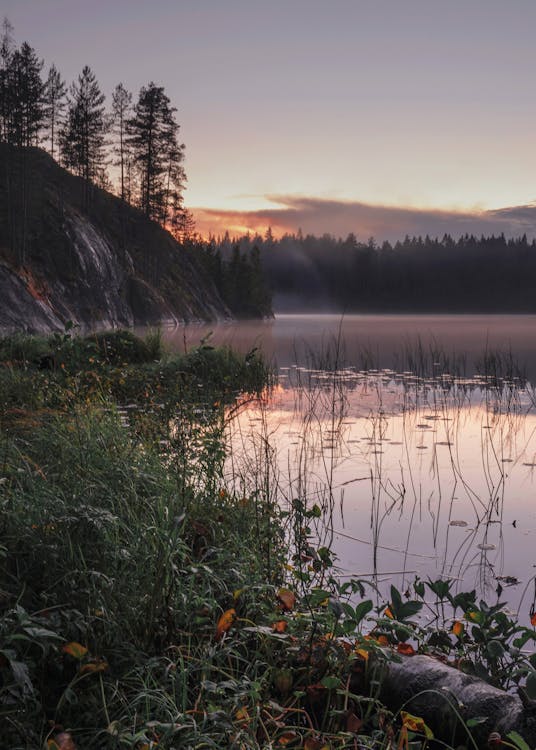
(383, 640)
(97, 665)
(62, 741)
(458, 628)
(533, 619)
(388, 613)
(406, 649)
(286, 738)
(242, 716)
(353, 723)
(363, 653)
(416, 724)
(313, 744)
(287, 599)
(74, 649)
(279, 626)
(225, 622)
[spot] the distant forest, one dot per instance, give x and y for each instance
(469, 274)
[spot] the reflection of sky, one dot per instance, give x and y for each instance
(440, 480)
(444, 490)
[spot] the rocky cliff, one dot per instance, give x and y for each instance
(73, 252)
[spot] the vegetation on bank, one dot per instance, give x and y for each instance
(145, 603)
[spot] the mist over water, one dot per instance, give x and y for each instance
(378, 341)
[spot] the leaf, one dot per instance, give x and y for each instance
(97, 665)
(279, 626)
(416, 724)
(476, 720)
(287, 599)
(406, 649)
(495, 649)
(458, 628)
(388, 613)
(62, 741)
(362, 610)
(225, 622)
(408, 609)
(74, 649)
(313, 744)
(396, 598)
(518, 740)
(286, 738)
(353, 723)
(242, 716)
(533, 619)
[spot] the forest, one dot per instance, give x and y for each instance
(467, 274)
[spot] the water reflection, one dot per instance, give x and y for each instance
(415, 476)
(415, 435)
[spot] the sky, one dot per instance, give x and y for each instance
(371, 116)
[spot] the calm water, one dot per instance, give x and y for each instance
(422, 464)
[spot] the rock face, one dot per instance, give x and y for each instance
(73, 252)
(441, 695)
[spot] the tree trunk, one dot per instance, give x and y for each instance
(446, 698)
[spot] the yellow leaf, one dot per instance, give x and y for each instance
(458, 628)
(363, 653)
(242, 716)
(287, 599)
(388, 613)
(225, 622)
(75, 650)
(416, 724)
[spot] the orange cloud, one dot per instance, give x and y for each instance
(317, 216)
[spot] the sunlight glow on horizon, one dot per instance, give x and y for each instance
(409, 107)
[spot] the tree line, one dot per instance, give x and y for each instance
(139, 138)
(416, 274)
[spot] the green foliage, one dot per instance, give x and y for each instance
(145, 602)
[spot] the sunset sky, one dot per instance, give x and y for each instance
(331, 115)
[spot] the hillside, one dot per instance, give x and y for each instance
(72, 252)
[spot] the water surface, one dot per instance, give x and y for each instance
(416, 435)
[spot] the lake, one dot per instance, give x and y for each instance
(415, 436)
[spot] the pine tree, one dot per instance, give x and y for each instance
(55, 91)
(121, 105)
(156, 152)
(6, 52)
(25, 96)
(83, 135)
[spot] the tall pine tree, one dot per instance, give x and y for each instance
(83, 135)
(55, 91)
(156, 152)
(121, 106)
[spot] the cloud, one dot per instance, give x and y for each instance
(318, 216)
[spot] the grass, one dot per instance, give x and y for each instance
(146, 601)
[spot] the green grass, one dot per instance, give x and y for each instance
(145, 604)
